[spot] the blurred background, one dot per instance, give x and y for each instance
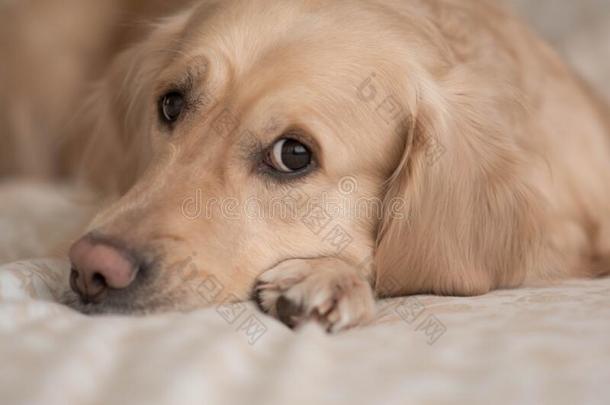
(579, 29)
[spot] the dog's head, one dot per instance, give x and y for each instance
(244, 134)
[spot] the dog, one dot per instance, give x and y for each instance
(316, 154)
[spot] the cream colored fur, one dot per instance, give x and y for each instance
(491, 159)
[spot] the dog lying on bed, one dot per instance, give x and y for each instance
(314, 154)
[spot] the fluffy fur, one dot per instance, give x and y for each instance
(489, 159)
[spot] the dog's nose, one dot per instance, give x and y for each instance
(97, 266)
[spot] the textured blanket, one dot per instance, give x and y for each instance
(537, 346)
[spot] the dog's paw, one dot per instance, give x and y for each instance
(328, 291)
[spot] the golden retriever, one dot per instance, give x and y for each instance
(314, 154)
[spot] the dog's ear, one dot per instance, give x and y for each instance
(459, 216)
(109, 142)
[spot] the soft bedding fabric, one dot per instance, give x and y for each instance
(530, 346)
(37, 218)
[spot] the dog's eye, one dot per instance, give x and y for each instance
(289, 156)
(171, 106)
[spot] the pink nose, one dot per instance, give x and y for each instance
(97, 266)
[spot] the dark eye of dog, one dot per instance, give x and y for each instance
(289, 156)
(171, 106)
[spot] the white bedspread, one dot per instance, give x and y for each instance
(529, 346)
